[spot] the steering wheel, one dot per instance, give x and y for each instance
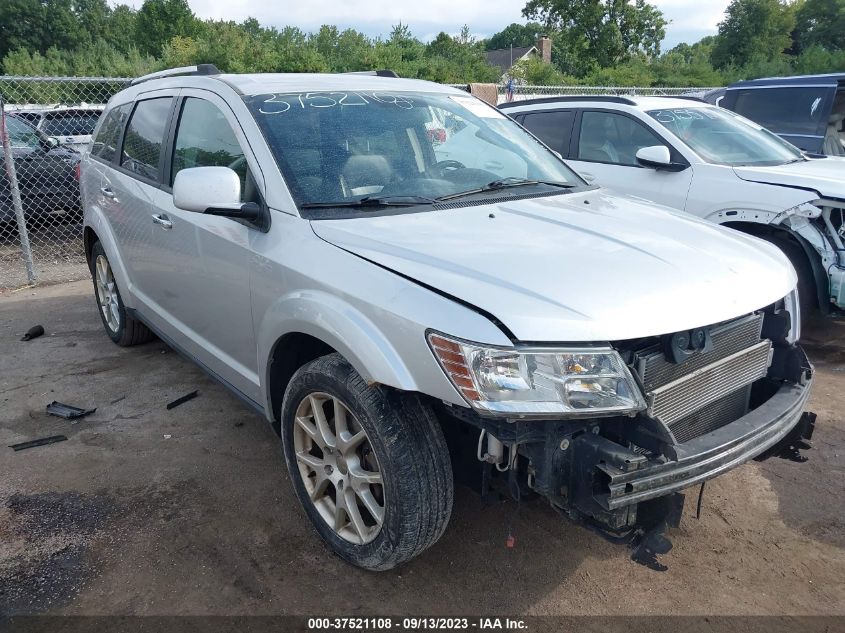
(441, 167)
(238, 163)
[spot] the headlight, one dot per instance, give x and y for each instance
(792, 304)
(569, 382)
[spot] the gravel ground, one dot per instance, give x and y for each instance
(190, 511)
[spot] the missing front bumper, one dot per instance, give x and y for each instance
(760, 431)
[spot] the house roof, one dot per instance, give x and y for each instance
(501, 57)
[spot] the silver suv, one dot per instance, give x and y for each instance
(391, 270)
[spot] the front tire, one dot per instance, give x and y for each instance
(369, 464)
(121, 328)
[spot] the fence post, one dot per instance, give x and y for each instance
(11, 174)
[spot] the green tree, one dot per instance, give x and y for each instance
(820, 23)
(634, 72)
(816, 60)
(535, 72)
(456, 59)
(158, 21)
(599, 33)
(757, 31)
(38, 25)
(515, 35)
(688, 65)
(92, 17)
(120, 28)
(344, 51)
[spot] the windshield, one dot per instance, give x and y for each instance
(724, 138)
(71, 124)
(21, 134)
(407, 147)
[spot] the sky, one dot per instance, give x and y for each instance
(690, 19)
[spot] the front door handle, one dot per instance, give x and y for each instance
(162, 220)
(108, 193)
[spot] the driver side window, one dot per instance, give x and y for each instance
(204, 138)
(607, 137)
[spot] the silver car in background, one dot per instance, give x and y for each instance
(306, 240)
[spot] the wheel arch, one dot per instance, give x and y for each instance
(289, 353)
(778, 233)
(89, 238)
(318, 324)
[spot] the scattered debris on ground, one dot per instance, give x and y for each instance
(67, 411)
(43, 441)
(34, 332)
(182, 400)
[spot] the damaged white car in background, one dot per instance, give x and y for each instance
(714, 164)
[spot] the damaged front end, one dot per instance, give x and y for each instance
(819, 227)
(714, 398)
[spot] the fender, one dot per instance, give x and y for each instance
(95, 220)
(797, 223)
(338, 324)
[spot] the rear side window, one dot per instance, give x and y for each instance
(553, 128)
(786, 110)
(75, 124)
(105, 143)
(144, 138)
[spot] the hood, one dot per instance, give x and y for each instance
(826, 176)
(579, 267)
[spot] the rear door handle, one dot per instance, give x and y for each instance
(108, 193)
(162, 220)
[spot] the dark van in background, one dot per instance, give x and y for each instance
(807, 111)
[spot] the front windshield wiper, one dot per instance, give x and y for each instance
(372, 202)
(506, 183)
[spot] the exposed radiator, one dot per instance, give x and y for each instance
(714, 416)
(708, 390)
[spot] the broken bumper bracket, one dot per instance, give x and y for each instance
(771, 428)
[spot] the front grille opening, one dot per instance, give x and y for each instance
(712, 417)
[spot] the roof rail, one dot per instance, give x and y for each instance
(375, 73)
(199, 69)
(605, 98)
(684, 97)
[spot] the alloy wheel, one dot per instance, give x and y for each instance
(339, 468)
(107, 295)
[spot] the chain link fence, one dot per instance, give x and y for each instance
(46, 123)
(45, 126)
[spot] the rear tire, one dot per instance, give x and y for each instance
(400, 455)
(121, 328)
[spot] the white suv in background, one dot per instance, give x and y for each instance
(711, 163)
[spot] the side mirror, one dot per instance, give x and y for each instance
(215, 191)
(51, 142)
(658, 157)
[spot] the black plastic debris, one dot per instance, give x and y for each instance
(34, 332)
(182, 400)
(67, 411)
(39, 442)
(652, 543)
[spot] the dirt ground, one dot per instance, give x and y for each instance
(190, 511)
